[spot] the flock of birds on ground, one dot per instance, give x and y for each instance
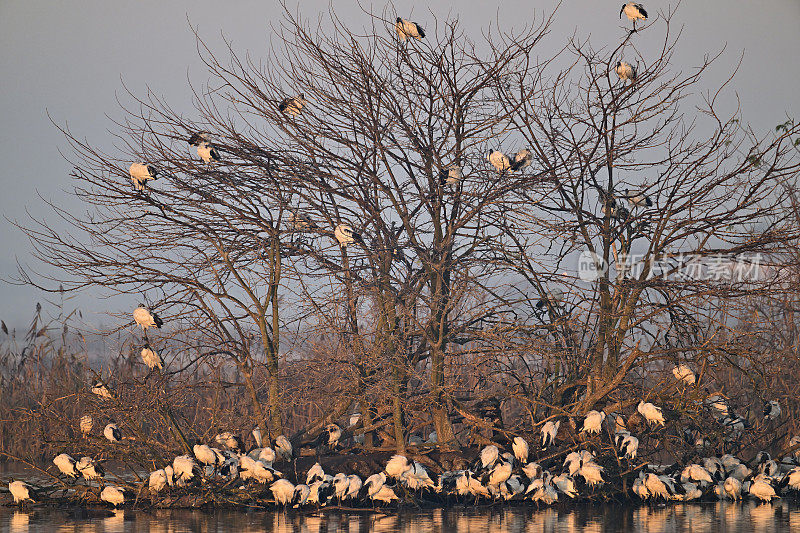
(496, 475)
(292, 106)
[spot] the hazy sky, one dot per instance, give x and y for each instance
(69, 59)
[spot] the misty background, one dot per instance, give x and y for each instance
(72, 62)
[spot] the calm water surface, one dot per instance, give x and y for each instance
(697, 518)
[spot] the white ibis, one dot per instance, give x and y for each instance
(112, 432)
(549, 432)
(520, 448)
(651, 413)
(408, 30)
(66, 465)
(315, 473)
(638, 200)
(141, 173)
(684, 374)
(593, 422)
(99, 389)
(450, 175)
(634, 12)
(146, 319)
(625, 71)
(282, 491)
(345, 235)
(732, 488)
(292, 105)
(591, 472)
(151, 358)
(113, 495)
(185, 468)
(20, 491)
(86, 424)
(89, 468)
(499, 160)
(198, 138)
(283, 448)
(207, 152)
(761, 488)
(522, 159)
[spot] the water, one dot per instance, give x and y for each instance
(697, 518)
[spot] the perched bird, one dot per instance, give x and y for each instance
(353, 487)
(520, 448)
(684, 374)
(397, 466)
(695, 472)
(406, 29)
(113, 495)
(141, 173)
(345, 235)
(199, 137)
(488, 457)
(185, 469)
(642, 200)
(20, 491)
(282, 491)
(283, 448)
(450, 175)
(300, 496)
(112, 432)
(566, 485)
(628, 445)
(315, 473)
(257, 437)
(651, 413)
(373, 484)
(761, 488)
(732, 488)
(204, 454)
(718, 404)
(499, 160)
(160, 479)
(634, 12)
(522, 159)
(292, 105)
(791, 479)
(593, 422)
(625, 71)
(207, 152)
(656, 487)
(144, 318)
(266, 455)
(66, 465)
(101, 390)
(151, 358)
(229, 440)
(591, 472)
(549, 432)
(772, 410)
(86, 424)
(639, 488)
(89, 469)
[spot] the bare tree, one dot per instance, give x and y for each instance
(460, 282)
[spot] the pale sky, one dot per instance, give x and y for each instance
(69, 59)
